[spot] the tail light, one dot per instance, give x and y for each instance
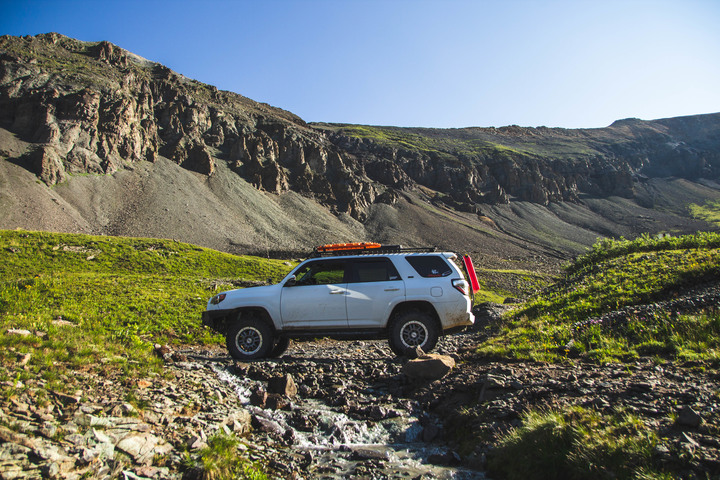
(461, 286)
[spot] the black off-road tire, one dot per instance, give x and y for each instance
(249, 338)
(413, 329)
(280, 347)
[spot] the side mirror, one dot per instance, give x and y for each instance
(290, 282)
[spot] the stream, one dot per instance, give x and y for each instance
(347, 419)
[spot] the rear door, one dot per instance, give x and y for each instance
(317, 298)
(374, 287)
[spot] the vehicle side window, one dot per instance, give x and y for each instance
(429, 266)
(321, 273)
(373, 270)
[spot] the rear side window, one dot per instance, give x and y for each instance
(373, 270)
(430, 266)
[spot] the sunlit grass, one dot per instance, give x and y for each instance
(558, 322)
(710, 212)
(99, 303)
(222, 459)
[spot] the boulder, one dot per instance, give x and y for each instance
(240, 422)
(283, 385)
(275, 401)
(428, 367)
(688, 417)
(142, 447)
(258, 397)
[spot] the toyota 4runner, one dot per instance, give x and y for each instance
(361, 290)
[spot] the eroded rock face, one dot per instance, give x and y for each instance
(96, 108)
(600, 163)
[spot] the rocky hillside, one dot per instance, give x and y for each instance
(475, 166)
(122, 145)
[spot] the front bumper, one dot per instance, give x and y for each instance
(215, 319)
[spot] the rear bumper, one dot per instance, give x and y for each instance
(455, 314)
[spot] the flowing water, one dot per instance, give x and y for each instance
(330, 443)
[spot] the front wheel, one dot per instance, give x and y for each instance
(249, 338)
(411, 330)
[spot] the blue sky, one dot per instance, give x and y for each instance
(449, 63)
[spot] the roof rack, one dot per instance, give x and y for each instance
(364, 248)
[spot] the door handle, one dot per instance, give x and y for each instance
(337, 292)
(392, 289)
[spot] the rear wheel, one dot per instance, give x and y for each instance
(280, 347)
(411, 330)
(249, 338)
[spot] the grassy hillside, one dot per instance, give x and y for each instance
(79, 302)
(621, 300)
(504, 142)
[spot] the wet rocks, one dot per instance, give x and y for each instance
(283, 385)
(332, 409)
(258, 397)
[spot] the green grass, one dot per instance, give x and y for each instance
(710, 212)
(467, 143)
(446, 147)
(576, 443)
(557, 322)
(503, 283)
(221, 459)
(483, 295)
(101, 302)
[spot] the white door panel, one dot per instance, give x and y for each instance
(314, 306)
(368, 304)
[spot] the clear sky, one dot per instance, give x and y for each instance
(429, 63)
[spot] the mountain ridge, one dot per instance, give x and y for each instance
(123, 145)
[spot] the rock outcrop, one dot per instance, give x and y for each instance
(542, 165)
(96, 108)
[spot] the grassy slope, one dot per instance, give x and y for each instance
(616, 274)
(577, 442)
(471, 142)
(116, 297)
(710, 211)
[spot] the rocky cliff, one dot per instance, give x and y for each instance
(96, 108)
(475, 166)
(71, 110)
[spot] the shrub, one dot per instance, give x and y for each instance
(575, 443)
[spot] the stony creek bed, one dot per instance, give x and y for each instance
(353, 415)
(347, 419)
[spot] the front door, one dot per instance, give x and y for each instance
(317, 297)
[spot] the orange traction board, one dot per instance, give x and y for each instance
(338, 247)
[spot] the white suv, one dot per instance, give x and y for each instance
(350, 291)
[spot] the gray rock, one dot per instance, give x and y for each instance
(266, 425)
(689, 417)
(493, 381)
(284, 385)
(142, 447)
(240, 422)
(430, 432)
